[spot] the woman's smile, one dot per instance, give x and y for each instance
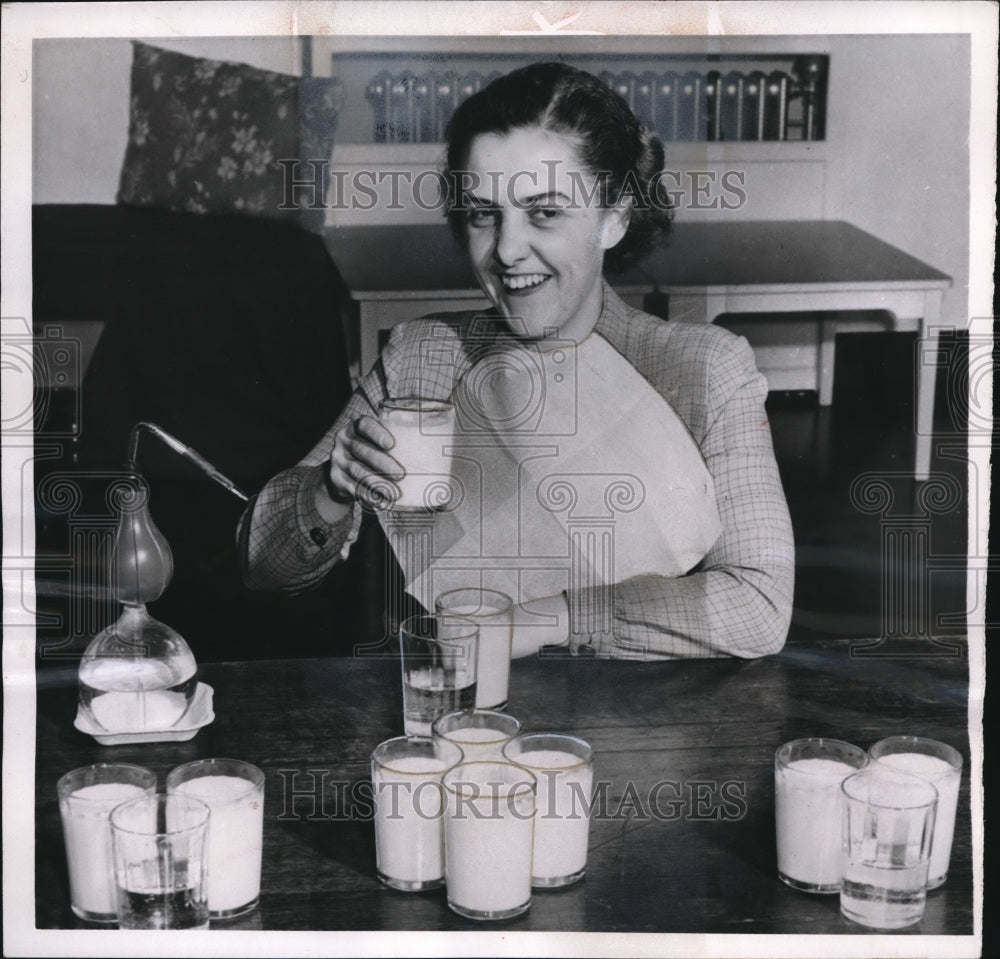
(523, 283)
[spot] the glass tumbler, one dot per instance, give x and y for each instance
(409, 833)
(423, 433)
(234, 791)
(481, 733)
(940, 764)
(564, 769)
(888, 828)
(160, 853)
(86, 798)
(808, 807)
(493, 611)
(489, 827)
(439, 656)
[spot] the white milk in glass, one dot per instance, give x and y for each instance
(495, 636)
(87, 835)
(946, 780)
(235, 833)
(477, 742)
(409, 838)
(488, 843)
(562, 820)
(808, 813)
(422, 437)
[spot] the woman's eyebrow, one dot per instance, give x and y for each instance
(541, 198)
(534, 200)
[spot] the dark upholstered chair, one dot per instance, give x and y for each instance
(228, 332)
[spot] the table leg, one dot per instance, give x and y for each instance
(826, 359)
(927, 363)
(370, 318)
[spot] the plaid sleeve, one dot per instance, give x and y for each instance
(738, 600)
(283, 542)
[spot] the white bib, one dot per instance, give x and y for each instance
(569, 471)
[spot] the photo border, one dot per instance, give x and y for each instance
(23, 22)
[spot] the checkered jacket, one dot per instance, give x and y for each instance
(737, 601)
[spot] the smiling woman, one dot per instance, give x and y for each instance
(615, 160)
(537, 249)
(613, 473)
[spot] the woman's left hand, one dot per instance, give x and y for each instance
(538, 623)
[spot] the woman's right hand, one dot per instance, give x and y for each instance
(360, 468)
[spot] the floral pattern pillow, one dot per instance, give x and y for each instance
(206, 136)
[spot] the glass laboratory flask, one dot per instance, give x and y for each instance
(137, 675)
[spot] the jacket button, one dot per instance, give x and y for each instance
(317, 536)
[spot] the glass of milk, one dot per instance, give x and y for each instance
(234, 791)
(940, 764)
(423, 431)
(159, 847)
(488, 834)
(808, 809)
(86, 798)
(494, 612)
(409, 833)
(888, 829)
(481, 733)
(564, 769)
(439, 656)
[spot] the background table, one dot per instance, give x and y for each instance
(706, 269)
(701, 859)
(827, 267)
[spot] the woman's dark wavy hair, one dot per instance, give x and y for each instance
(611, 143)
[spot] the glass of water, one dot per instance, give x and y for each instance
(160, 855)
(888, 831)
(439, 657)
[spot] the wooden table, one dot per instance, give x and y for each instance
(695, 855)
(706, 269)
